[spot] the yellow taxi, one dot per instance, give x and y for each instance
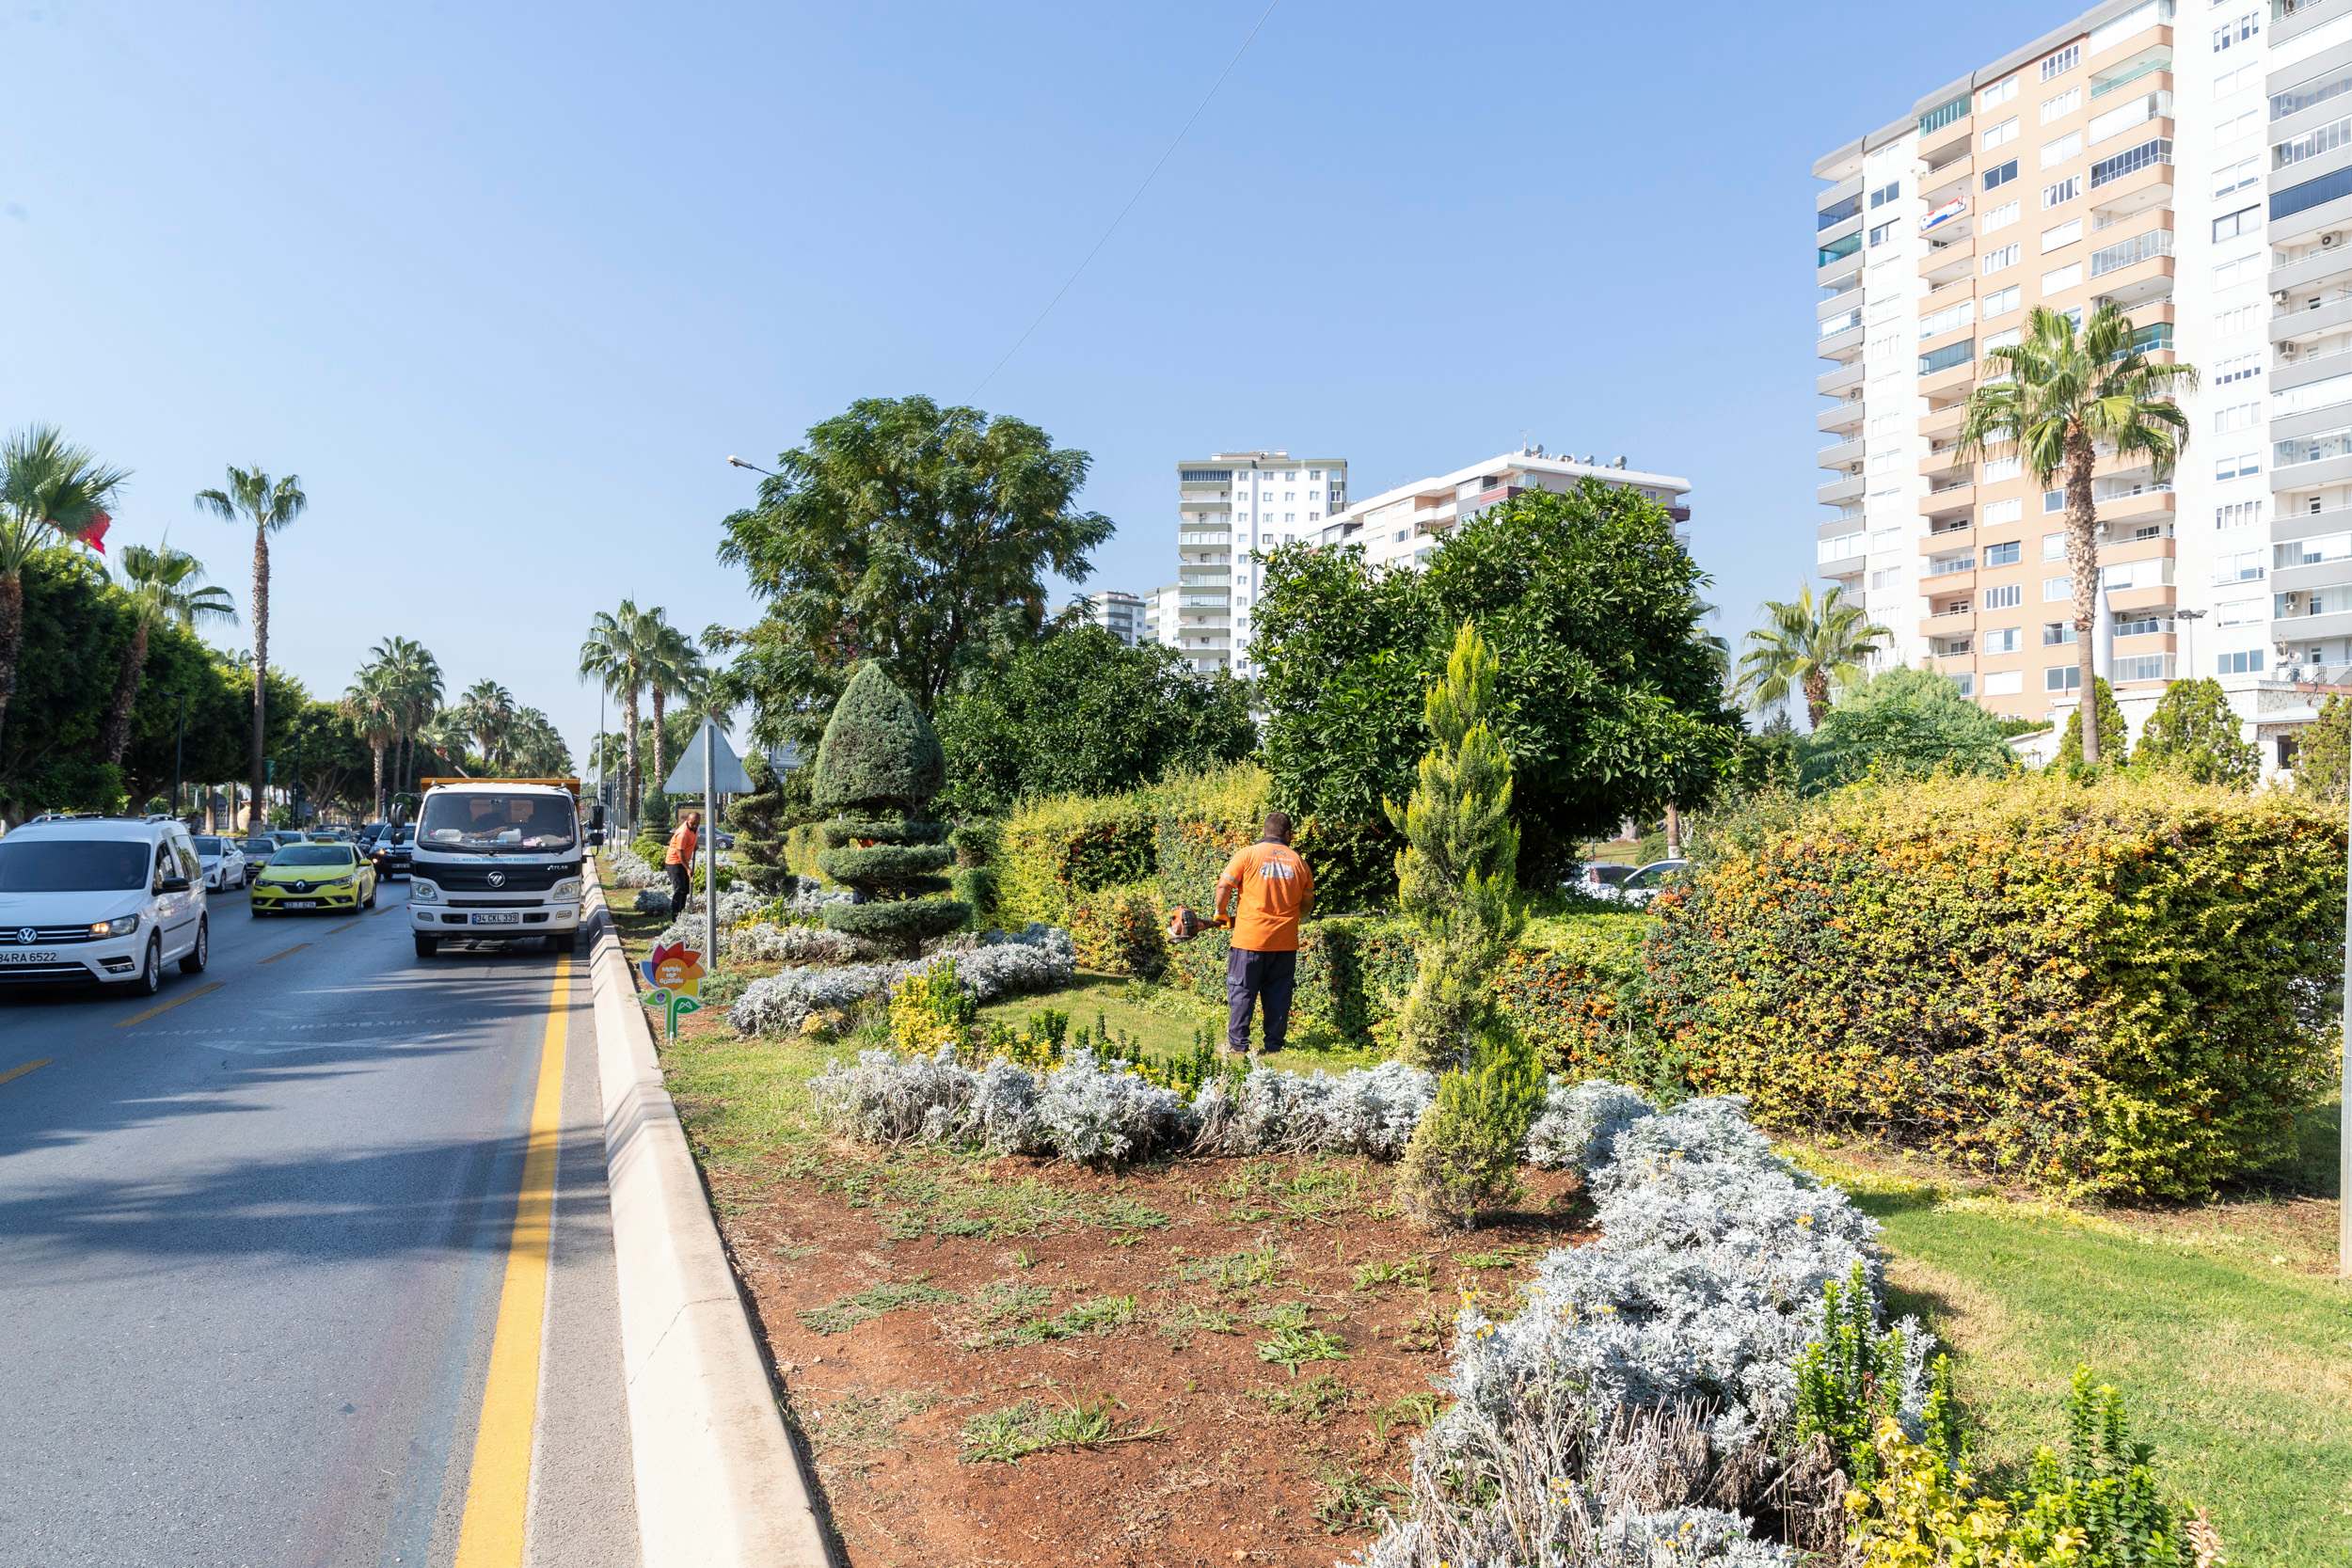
(314, 876)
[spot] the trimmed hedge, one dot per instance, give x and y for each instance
(1065, 844)
(2123, 989)
(1573, 987)
(1118, 931)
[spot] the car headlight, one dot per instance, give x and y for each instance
(423, 892)
(568, 888)
(122, 928)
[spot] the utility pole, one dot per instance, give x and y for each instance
(179, 754)
(710, 849)
(2344, 1116)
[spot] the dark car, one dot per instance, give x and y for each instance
(391, 851)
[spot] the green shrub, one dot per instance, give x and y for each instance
(877, 767)
(801, 845)
(1118, 930)
(1850, 1378)
(974, 887)
(659, 818)
(757, 820)
(1064, 845)
(1573, 987)
(1353, 972)
(1464, 1157)
(2120, 989)
(878, 753)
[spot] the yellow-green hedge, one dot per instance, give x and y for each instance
(2123, 989)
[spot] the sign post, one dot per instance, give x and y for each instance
(722, 770)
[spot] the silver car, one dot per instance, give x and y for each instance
(224, 863)
(1646, 883)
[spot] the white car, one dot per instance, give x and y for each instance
(1643, 884)
(110, 899)
(224, 863)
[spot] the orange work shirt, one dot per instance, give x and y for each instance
(1274, 886)
(681, 847)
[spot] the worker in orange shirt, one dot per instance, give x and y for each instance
(680, 861)
(1271, 891)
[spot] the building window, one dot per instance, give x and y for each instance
(2064, 105)
(1998, 93)
(2064, 191)
(2053, 501)
(2000, 175)
(2062, 234)
(2063, 61)
(1997, 513)
(1882, 233)
(2004, 683)
(2246, 662)
(2238, 465)
(2246, 220)
(2311, 193)
(2002, 639)
(2056, 590)
(2242, 175)
(2065, 677)
(2001, 555)
(2056, 152)
(2058, 279)
(2310, 92)
(2238, 416)
(2056, 634)
(2131, 161)
(2001, 301)
(1994, 261)
(2238, 366)
(2237, 514)
(2001, 135)
(1998, 468)
(1999, 217)
(1967, 681)
(2054, 547)
(2141, 667)
(2244, 29)
(1878, 197)
(2007, 596)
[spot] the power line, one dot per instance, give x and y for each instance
(1170, 152)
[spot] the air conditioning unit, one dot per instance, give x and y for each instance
(2287, 353)
(2277, 296)
(2329, 241)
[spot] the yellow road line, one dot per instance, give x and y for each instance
(181, 1000)
(287, 954)
(497, 1491)
(21, 1072)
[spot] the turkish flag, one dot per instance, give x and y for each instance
(95, 535)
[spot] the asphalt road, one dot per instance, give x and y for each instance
(255, 1235)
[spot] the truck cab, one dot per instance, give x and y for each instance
(496, 860)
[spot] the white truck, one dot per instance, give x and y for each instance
(497, 860)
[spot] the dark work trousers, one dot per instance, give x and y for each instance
(679, 886)
(1249, 977)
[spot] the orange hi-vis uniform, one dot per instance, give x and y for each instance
(1274, 885)
(681, 847)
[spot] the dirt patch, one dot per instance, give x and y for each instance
(1015, 1362)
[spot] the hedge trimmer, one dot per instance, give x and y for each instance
(1184, 924)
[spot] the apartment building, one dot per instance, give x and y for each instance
(1162, 609)
(1403, 526)
(1230, 506)
(2191, 163)
(1120, 613)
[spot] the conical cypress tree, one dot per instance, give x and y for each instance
(877, 767)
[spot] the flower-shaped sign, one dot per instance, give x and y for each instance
(675, 972)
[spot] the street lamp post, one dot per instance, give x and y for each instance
(2189, 646)
(179, 754)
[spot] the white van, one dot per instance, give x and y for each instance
(110, 899)
(496, 860)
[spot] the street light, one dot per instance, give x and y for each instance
(734, 461)
(2189, 650)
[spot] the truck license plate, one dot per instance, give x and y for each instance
(507, 918)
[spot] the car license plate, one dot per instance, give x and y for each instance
(28, 955)
(507, 918)
(301, 903)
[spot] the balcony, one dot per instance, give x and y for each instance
(2291, 19)
(1945, 459)
(1943, 424)
(1946, 500)
(1947, 532)
(1952, 260)
(1846, 416)
(2303, 525)
(1838, 379)
(1948, 580)
(1841, 454)
(2139, 505)
(2308, 576)
(2298, 320)
(1944, 134)
(1841, 346)
(2331, 261)
(1842, 567)
(1950, 621)
(1838, 491)
(1950, 383)
(2157, 33)
(1838, 268)
(2148, 184)
(1945, 180)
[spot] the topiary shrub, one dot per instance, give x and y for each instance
(1119, 931)
(2119, 989)
(757, 820)
(878, 766)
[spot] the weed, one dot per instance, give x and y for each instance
(1410, 1272)
(1318, 1399)
(792, 1252)
(997, 1313)
(1126, 1214)
(839, 1317)
(1238, 1271)
(1180, 1325)
(1009, 1435)
(1412, 1410)
(1268, 1190)
(1424, 1335)
(862, 1422)
(1294, 1344)
(1099, 1316)
(1509, 1257)
(1351, 1501)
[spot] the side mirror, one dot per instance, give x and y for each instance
(596, 817)
(173, 884)
(596, 838)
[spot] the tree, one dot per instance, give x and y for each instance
(1810, 647)
(1457, 876)
(2194, 735)
(50, 490)
(907, 534)
(760, 820)
(1080, 712)
(372, 703)
(161, 587)
(1609, 698)
(877, 767)
(2108, 722)
(2059, 400)
(613, 656)
(536, 749)
(1902, 721)
(269, 505)
(487, 712)
(672, 667)
(2323, 753)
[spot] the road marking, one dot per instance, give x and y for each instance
(205, 989)
(498, 1489)
(21, 1072)
(287, 954)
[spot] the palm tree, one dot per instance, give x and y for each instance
(269, 505)
(48, 489)
(2061, 399)
(1810, 645)
(614, 655)
(538, 750)
(414, 676)
(488, 713)
(373, 704)
(672, 667)
(163, 587)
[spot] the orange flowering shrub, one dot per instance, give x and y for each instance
(2122, 989)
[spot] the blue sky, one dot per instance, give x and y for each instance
(505, 284)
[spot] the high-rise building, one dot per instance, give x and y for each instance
(1228, 507)
(1119, 613)
(1161, 608)
(2196, 170)
(1404, 525)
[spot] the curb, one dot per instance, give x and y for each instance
(718, 1483)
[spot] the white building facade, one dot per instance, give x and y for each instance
(2191, 163)
(1123, 614)
(1228, 507)
(1403, 526)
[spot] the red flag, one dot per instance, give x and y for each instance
(95, 535)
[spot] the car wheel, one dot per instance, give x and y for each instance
(201, 953)
(426, 946)
(370, 903)
(150, 979)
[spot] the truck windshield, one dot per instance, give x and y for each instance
(489, 822)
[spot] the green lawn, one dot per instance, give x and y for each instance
(2223, 1325)
(1163, 1021)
